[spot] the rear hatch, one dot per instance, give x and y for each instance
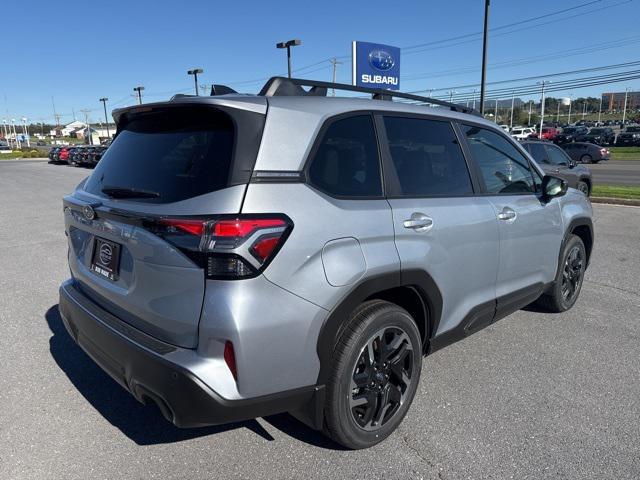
(168, 161)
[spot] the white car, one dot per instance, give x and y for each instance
(521, 133)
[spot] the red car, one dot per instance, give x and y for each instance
(63, 154)
(548, 133)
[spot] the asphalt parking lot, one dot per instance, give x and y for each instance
(534, 396)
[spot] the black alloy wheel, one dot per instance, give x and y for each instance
(381, 378)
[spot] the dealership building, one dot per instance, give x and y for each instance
(615, 100)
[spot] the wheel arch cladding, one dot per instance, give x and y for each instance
(583, 228)
(413, 290)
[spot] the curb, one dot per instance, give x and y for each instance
(616, 201)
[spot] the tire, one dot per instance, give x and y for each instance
(583, 187)
(586, 159)
(369, 327)
(556, 300)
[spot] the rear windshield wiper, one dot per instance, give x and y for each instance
(125, 192)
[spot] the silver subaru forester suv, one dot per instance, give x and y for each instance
(236, 256)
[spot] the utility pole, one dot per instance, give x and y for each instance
(543, 83)
(584, 108)
(558, 113)
(624, 110)
(485, 40)
(106, 119)
(496, 114)
(513, 97)
(195, 73)
(138, 91)
(529, 121)
(335, 64)
(55, 114)
(86, 121)
(600, 109)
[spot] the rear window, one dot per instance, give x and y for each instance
(170, 155)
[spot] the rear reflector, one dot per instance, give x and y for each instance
(230, 359)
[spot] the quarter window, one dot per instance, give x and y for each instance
(504, 169)
(346, 163)
(427, 157)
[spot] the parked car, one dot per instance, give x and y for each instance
(599, 136)
(41, 143)
(5, 148)
(548, 133)
(629, 137)
(570, 134)
(554, 161)
(521, 133)
(53, 151)
(586, 152)
(224, 269)
(63, 155)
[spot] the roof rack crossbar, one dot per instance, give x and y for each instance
(283, 86)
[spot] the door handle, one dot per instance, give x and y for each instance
(507, 214)
(419, 222)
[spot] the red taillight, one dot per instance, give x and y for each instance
(242, 228)
(226, 248)
(263, 248)
(64, 154)
(194, 227)
(230, 359)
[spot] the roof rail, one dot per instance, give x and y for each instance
(283, 86)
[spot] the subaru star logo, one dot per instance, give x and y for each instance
(89, 212)
(105, 254)
(381, 60)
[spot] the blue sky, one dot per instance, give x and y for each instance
(79, 52)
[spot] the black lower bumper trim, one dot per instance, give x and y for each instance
(181, 396)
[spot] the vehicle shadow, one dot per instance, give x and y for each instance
(143, 424)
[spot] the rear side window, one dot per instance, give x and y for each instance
(504, 169)
(346, 163)
(171, 155)
(427, 157)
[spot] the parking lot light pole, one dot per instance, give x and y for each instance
(600, 109)
(529, 121)
(496, 117)
(138, 90)
(513, 98)
(288, 44)
(485, 40)
(106, 119)
(15, 133)
(195, 73)
(25, 131)
(543, 83)
(570, 102)
(624, 110)
(558, 114)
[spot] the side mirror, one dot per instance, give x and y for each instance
(572, 163)
(553, 187)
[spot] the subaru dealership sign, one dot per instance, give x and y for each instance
(376, 65)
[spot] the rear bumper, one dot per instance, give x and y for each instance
(143, 366)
